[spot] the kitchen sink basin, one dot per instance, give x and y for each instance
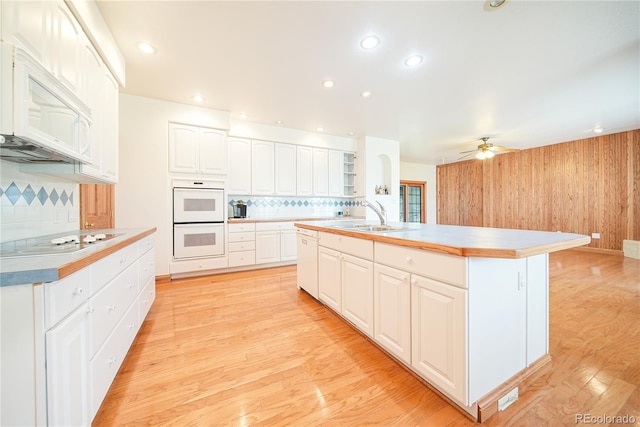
(367, 227)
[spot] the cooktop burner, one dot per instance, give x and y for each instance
(55, 244)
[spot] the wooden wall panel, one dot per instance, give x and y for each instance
(586, 186)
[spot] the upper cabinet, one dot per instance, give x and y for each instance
(197, 150)
(262, 167)
(67, 37)
(304, 170)
(25, 24)
(285, 172)
(320, 172)
(239, 166)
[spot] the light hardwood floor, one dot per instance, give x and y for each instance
(251, 349)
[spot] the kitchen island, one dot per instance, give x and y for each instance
(464, 308)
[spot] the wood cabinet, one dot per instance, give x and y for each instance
(304, 170)
(197, 150)
(239, 166)
(392, 311)
(285, 169)
(262, 167)
(438, 334)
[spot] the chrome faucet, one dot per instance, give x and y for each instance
(382, 213)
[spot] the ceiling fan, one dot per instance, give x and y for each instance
(486, 150)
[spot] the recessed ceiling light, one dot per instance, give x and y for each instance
(327, 83)
(491, 5)
(146, 48)
(413, 60)
(351, 134)
(598, 130)
(369, 42)
(244, 116)
(365, 94)
(278, 122)
(197, 98)
(319, 129)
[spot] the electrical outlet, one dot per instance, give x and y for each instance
(595, 235)
(507, 399)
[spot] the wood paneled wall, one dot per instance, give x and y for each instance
(585, 186)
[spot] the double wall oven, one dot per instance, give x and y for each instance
(198, 219)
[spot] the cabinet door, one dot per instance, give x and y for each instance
(285, 172)
(183, 148)
(239, 166)
(110, 141)
(357, 292)
(213, 151)
(288, 245)
(24, 23)
(267, 246)
(392, 311)
(336, 173)
(330, 278)
(67, 45)
(304, 171)
(68, 373)
(93, 96)
(438, 317)
(320, 172)
(262, 167)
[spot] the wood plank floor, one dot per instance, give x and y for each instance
(250, 349)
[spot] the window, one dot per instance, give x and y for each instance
(412, 208)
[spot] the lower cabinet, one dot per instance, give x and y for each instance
(330, 278)
(392, 309)
(267, 247)
(357, 292)
(438, 337)
(87, 335)
(275, 242)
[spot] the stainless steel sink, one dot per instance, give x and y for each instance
(367, 227)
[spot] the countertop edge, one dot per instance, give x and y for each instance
(256, 220)
(455, 250)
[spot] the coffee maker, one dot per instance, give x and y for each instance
(239, 209)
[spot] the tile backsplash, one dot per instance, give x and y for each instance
(294, 207)
(34, 205)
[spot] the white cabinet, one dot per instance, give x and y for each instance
(330, 278)
(68, 389)
(67, 44)
(392, 311)
(26, 24)
(242, 244)
(320, 172)
(304, 170)
(357, 292)
(336, 173)
(267, 246)
(438, 334)
(262, 167)
(239, 166)
(288, 245)
(197, 150)
(285, 169)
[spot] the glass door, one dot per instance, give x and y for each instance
(412, 201)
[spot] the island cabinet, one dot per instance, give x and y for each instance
(345, 277)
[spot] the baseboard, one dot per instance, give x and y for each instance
(598, 250)
(163, 279)
(488, 405)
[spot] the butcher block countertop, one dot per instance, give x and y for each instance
(459, 240)
(48, 268)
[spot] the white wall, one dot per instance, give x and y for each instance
(423, 172)
(381, 167)
(143, 193)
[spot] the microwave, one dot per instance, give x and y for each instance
(41, 120)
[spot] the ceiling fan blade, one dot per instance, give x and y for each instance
(504, 149)
(469, 151)
(467, 155)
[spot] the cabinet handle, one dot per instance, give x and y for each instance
(414, 281)
(131, 325)
(123, 260)
(78, 291)
(409, 259)
(111, 307)
(132, 285)
(89, 225)
(90, 309)
(145, 301)
(112, 360)
(403, 278)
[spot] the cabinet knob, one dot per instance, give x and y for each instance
(403, 278)
(131, 325)
(111, 307)
(78, 291)
(90, 309)
(123, 260)
(112, 360)
(131, 285)
(409, 259)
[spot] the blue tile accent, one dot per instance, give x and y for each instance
(42, 195)
(28, 194)
(13, 193)
(64, 198)
(54, 197)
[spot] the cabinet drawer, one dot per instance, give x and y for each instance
(107, 268)
(146, 267)
(146, 244)
(110, 303)
(446, 268)
(64, 296)
(237, 259)
(147, 296)
(242, 246)
(242, 237)
(345, 244)
(105, 364)
(240, 227)
(274, 226)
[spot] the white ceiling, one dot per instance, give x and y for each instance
(531, 73)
